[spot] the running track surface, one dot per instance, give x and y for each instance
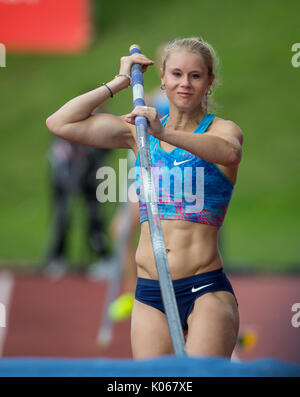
(48, 318)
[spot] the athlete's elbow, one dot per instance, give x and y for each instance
(234, 157)
(53, 126)
(50, 123)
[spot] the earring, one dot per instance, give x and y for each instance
(204, 104)
(162, 87)
(209, 92)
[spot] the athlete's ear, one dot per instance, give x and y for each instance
(211, 80)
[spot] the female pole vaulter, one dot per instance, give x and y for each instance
(189, 137)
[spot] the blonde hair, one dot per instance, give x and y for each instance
(198, 46)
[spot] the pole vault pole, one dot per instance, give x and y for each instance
(159, 250)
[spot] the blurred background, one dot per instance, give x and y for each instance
(58, 50)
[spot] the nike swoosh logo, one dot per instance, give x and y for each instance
(181, 162)
(203, 286)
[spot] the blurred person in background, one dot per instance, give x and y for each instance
(73, 170)
(123, 230)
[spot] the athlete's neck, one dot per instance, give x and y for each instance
(184, 121)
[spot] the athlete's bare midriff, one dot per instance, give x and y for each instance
(192, 248)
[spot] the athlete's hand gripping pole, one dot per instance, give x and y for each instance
(159, 250)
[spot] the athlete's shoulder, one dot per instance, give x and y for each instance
(222, 127)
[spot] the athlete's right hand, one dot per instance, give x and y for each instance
(127, 62)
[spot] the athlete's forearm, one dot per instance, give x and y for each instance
(81, 107)
(208, 147)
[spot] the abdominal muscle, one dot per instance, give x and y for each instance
(192, 248)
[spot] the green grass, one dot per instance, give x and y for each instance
(259, 91)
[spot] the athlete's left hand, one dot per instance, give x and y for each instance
(154, 125)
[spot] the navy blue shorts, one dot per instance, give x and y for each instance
(187, 290)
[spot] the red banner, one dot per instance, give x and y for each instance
(45, 25)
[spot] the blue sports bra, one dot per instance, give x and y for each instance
(187, 187)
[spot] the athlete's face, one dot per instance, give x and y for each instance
(186, 79)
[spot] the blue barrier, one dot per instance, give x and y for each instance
(168, 366)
